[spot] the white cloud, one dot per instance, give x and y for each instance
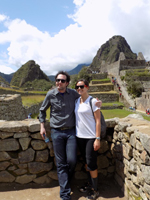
(95, 22)
(6, 70)
(3, 18)
(78, 2)
(131, 20)
(128, 5)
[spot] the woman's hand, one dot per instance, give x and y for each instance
(96, 144)
(98, 103)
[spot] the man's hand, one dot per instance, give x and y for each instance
(98, 103)
(42, 131)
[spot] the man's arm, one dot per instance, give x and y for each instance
(42, 130)
(42, 115)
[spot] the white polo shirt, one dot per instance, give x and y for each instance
(85, 122)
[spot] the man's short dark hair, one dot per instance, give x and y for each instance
(64, 73)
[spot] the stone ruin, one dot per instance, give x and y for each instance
(11, 107)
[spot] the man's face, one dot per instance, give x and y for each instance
(61, 83)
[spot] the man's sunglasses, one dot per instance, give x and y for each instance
(80, 86)
(62, 80)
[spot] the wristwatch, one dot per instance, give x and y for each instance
(98, 138)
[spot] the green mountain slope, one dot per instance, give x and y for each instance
(110, 51)
(30, 75)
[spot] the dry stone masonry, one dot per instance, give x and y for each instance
(124, 154)
(11, 108)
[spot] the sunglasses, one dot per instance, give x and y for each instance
(62, 80)
(80, 86)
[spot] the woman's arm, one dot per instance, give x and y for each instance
(98, 103)
(97, 116)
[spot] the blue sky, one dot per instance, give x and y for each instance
(60, 34)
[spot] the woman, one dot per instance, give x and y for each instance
(88, 135)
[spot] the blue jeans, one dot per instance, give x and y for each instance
(65, 149)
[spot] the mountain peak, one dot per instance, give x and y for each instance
(28, 72)
(110, 51)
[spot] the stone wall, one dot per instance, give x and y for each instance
(99, 76)
(132, 64)
(105, 97)
(11, 108)
(131, 150)
(142, 103)
(124, 154)
(113, 68)
(146, 85)
(101, 88)
(25, 157)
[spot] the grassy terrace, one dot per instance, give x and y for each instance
(101, 83)
(30, 100)
(111, 92)
(108, 114)
(117, 103)
(101, 80)
(22, 91)
(34, 99)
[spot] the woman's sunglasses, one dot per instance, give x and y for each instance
(80, 86)
(62, 80)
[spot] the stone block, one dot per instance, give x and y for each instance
(24, 142)
(24, 179)
(26, 156)
(4, 156)
(42, 156)
(6, 177)
(9, 145)
(38, 144)
(53, 174)
(102, 162)
(38, 167)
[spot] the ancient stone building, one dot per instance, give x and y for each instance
(124, 64)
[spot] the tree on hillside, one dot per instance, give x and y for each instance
(135, 88)
(83, 74)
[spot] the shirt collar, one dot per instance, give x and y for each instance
(57, 92)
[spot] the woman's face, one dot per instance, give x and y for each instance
(81, 88)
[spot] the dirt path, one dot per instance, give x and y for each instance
(108, 190)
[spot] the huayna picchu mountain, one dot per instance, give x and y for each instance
(110, 51)
(30, 75)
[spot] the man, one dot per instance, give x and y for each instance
(62, 123)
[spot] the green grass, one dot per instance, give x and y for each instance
(101, 80)
(31, 100)
(146, 117)
(108, 114)
(113, 103)
(22, 91)
(120, 113)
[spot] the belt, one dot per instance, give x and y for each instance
(65, 128)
